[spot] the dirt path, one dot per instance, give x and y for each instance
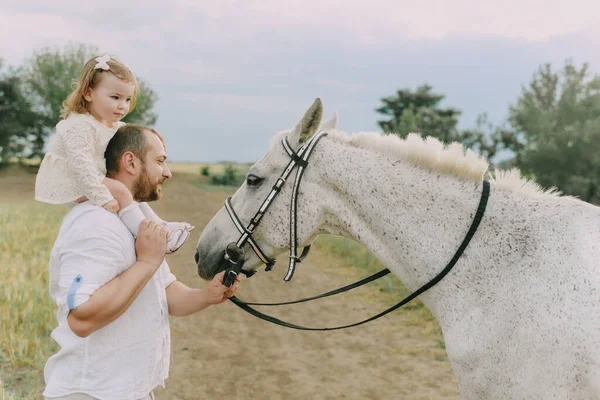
(225, 353)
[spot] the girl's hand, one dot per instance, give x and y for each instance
(112, 206)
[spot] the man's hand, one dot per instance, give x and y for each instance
(217, 293)
(151, 243)
(184, 301)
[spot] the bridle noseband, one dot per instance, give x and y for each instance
(299, 160)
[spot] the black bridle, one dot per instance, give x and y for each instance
(234, 251)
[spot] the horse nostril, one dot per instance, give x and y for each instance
(197, 257)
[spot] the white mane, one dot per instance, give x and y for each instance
(430, 153)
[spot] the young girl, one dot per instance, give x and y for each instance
(74, 169)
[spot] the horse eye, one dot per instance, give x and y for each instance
(253, 180)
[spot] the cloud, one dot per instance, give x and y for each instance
(238, 71)
(374, 21)
(360, 23)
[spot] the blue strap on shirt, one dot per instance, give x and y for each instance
(72, 290)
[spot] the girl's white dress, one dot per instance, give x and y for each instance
(74, 165)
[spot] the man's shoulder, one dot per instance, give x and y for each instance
(91, 220)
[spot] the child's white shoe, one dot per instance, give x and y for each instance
(179, 232)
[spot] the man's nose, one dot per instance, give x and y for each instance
(167, 172)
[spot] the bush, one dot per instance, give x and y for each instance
(230, 177)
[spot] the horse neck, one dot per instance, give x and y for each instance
(412, 219)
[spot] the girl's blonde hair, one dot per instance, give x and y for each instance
(89, 77)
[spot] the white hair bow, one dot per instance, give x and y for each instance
(102, 62)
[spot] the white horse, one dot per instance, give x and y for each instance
(520, 312)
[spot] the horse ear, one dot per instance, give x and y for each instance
(309, 124)
(330, 123)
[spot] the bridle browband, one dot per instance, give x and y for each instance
(300, 160)
(234, 251)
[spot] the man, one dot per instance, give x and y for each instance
(115, 293)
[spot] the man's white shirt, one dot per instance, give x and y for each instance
(130, 356)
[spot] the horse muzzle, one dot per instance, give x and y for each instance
(210, 263)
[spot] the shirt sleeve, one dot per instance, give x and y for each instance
(89, 262)
(79, 146)
(166, 275)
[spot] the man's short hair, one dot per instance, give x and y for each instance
(129, 137)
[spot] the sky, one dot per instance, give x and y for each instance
(230, 74)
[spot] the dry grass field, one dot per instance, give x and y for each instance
(223, 352)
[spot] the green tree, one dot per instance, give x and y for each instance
(48, 77)
(486, 138)
(18, 122)
(205, 170)
(419, 111)
(146, 99)
(556, 121)
(229, 177)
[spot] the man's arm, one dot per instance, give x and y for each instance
(112, 299)
(183, 300)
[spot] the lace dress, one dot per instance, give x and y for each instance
(74, 165)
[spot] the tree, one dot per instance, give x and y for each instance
(48, 77)
(419, 111)
(229, 177)
(486, 139)
(146, 99)
(557, 130)
(18, 122)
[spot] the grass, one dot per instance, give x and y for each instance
(27, 314)
(214, 168)
(358, 256)
(202, 185)
(27, 233)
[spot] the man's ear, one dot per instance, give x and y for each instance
(129, 163)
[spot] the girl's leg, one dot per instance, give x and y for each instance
(129, 212)
(132, 217)
(119, 191)
(179, 232)
(150, 214)
(133, 213)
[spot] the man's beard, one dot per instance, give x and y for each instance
(144, 189)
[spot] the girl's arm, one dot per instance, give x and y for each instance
(79, 142)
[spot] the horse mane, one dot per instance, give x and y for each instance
(429, 153)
